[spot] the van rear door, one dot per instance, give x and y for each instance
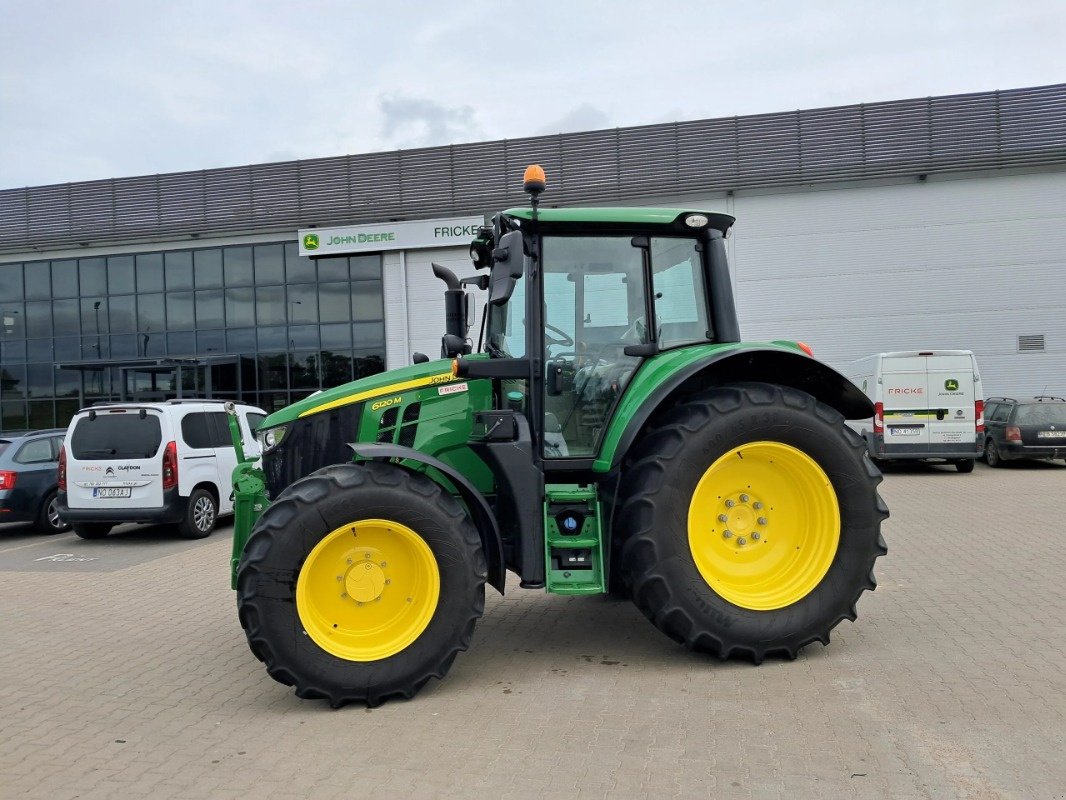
(951, 392)
(904, 392)
(115, 459)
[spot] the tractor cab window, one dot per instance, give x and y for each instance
(594, 306)
(680, 298)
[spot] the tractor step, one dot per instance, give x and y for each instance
(573, 540)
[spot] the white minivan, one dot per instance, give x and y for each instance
(168, 462)
(928, 406)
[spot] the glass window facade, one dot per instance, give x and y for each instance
(291, 326)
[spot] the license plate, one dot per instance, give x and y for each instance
(108, 491)
(905, 431)
(1051, 435)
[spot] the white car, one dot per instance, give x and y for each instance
(168, 462)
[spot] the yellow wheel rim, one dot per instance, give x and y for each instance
(368, 590)
(764, 525)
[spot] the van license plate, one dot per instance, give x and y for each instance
(119, 491)
(916, 431)
(1051, 434)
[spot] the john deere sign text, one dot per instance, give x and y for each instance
(389, 236)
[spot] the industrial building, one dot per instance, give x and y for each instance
(914, 224)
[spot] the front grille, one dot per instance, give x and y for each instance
(311, 443)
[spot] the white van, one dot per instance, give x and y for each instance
(168, 462)
(928, 406)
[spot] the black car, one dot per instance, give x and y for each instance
(1033, 428)
(29, 479)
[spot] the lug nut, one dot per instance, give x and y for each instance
(388, 581)
(743, 498)
(383, 565)
(762, 520)
(741, 541)
(729, 503)
(727, 534)
(756, 536)
(723, 518)
(756, 505)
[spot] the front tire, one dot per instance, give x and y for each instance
(201, 514)
(750, 522)
(360, 583)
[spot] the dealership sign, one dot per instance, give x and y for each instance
(456, 232)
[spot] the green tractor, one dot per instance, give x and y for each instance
(612, 435)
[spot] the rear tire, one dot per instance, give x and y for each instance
(682, 478)
(290, 600)
(965, 465)
(48, 519)
(992, 454)
(92, 530)
(201, 514)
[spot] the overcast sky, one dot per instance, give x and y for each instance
(110, 88)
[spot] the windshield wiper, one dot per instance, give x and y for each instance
(495, 350)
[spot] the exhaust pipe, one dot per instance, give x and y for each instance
(454, 343)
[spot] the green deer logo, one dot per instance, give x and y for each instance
(310, 241)
(951, 385)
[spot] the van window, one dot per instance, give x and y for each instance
(112, 435)
(39, 451)
(1001, 413)
(220, 429)
(196, 431)
(255, 420)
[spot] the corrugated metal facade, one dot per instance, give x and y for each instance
(838, 242)
(1009, 129)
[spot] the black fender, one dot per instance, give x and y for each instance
(781, 366)
(482, 517)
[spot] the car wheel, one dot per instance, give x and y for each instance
(48, 520)
(965, 465)
(200, 516)
(992, 454)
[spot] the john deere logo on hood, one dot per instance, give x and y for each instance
(310, 241)
(951, 385)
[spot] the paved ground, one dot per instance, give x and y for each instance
(137, 682)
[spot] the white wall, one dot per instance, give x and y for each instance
(970, 263)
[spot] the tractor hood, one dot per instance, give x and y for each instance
(384, 383)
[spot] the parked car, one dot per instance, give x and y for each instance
(1016, 429)
(29, 479)
(168, 462)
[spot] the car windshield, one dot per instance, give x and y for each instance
(1041, 414)
(115, 435)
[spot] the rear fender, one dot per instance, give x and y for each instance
(481, 515)
(769, 364)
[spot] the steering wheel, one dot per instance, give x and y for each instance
(564, 339)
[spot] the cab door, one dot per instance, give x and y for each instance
(952, 390)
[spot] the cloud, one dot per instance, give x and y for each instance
(586, 117)
(414, 122)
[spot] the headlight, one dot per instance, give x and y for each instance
(271, 437)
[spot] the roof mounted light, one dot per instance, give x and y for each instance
(533, 181)
(696, 220)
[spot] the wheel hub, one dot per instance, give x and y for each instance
(365, 581)
(368, 590)
(764, 524)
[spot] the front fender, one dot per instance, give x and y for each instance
(482, 517)
(687, 370)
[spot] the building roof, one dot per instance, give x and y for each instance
(953, 133)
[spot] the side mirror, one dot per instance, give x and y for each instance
(506, 268)
(419, 358)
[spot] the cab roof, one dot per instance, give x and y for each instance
(670, 218)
